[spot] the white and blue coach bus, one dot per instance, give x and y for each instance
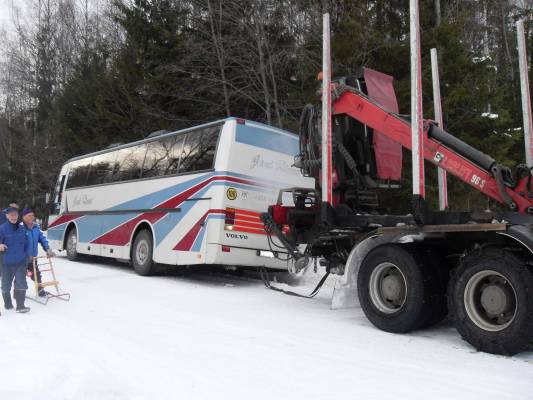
(188, 197)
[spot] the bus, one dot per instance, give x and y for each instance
(181, 198)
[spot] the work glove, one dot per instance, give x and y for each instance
(50, 253)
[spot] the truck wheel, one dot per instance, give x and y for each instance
(71, 244)
(393, 289)
(490, 297)
(142, 253)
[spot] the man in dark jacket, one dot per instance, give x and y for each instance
(35, 237)
(14, 245)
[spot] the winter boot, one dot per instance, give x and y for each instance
(8, 304)
(43, 293)
(20, 297)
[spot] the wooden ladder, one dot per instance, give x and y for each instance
(45, 261)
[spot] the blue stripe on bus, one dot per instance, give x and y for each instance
(92, 226)
(55, 233)
(267, 139)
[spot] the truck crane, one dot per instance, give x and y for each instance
(410, 271)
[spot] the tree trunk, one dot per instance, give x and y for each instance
(219, 49)
(437, 12)
(262, 66)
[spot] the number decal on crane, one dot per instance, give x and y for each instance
(477, 181)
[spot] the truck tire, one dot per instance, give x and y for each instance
(71, 243)
(142, 253)
(490, 297)
(394, 288)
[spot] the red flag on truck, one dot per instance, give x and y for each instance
(388, 152)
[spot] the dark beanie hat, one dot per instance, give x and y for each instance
(26, 210)
(11, 209)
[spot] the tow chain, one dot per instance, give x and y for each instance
(266, 280)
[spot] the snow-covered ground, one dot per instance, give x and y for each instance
(205, 335)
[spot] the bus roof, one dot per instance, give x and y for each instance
(155, 138)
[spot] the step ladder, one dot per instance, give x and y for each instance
(46, 262)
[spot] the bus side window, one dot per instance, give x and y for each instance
(175, 156)
(158, 157)
(199, 150)
(101, 168)
(78, 173)
(129, 162)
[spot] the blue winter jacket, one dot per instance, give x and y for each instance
(35, 236)
(18, 246)
(3, 218)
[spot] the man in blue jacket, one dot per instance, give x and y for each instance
(3, 218)
(14, 245)
(35, 237)
(3, 221)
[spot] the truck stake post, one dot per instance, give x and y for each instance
(437, 105)
(524, 87)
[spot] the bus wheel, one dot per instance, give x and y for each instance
(490, 297)
(142, 253)
(394, 289)
(71, 245)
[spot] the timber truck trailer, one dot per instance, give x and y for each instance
(409, 271)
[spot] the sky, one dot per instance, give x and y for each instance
(5, 12)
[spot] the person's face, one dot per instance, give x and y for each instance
(12, 216)
(13, 205)
(29, 218)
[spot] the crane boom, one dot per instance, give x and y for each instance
(440, 148)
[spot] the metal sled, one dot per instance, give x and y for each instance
(49, 268)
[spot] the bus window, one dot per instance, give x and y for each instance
(78, 173)
(175, 156)
(158, 157)
(58, 194)
(199, 150)
(101, 168)
(129, 162)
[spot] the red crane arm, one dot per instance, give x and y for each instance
(364, 110)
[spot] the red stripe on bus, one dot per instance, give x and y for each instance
(249, 224)
(121, 235)
(63, 219)
(249, 219)
(186, 243)
(248, 213)
(248, 230)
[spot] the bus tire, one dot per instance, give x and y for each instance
(142, 253)
(71, 243)
(490, 297)
(394, 289)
